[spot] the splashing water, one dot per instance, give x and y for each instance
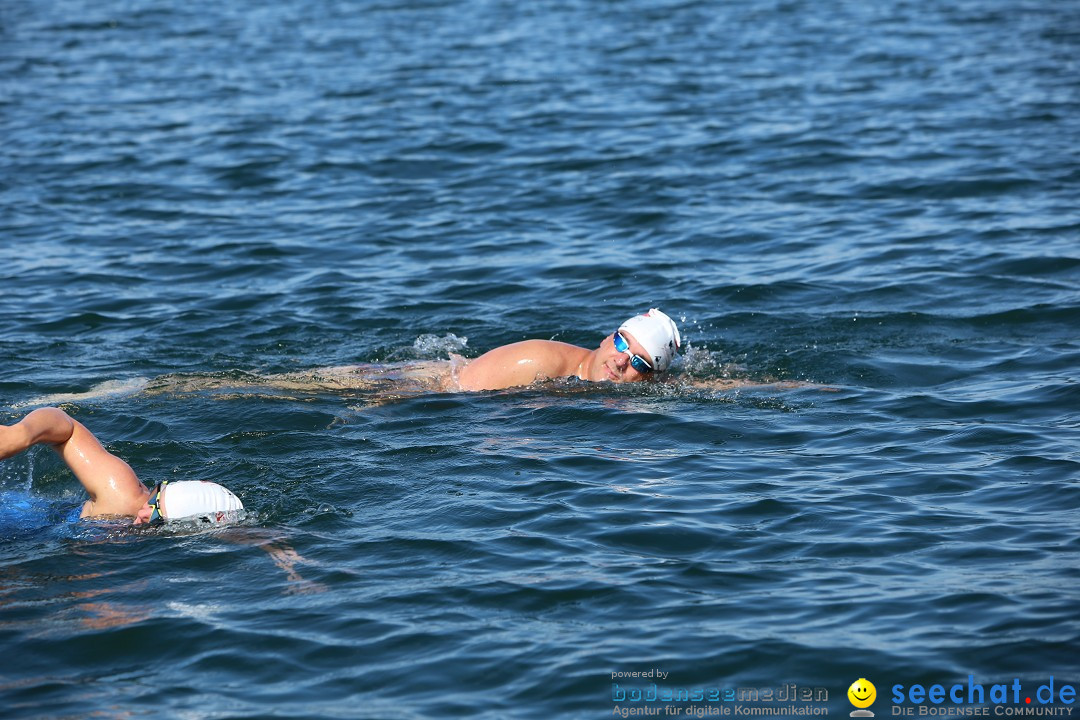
(433, 347)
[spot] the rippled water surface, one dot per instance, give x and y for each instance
(875, 203)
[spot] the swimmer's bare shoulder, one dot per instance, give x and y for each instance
(522, 363)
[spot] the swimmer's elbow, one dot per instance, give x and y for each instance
(51, 426)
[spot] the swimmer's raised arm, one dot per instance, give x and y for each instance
(112, 485)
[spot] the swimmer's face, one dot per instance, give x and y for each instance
(143, 516)
(613, 366)
(147, 510)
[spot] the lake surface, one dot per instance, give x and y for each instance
(873, 202)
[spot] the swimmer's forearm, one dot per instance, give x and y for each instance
(50, 426)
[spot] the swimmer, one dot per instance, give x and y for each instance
(641, 349)
(112, 485)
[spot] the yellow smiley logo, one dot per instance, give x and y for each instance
(862, 693)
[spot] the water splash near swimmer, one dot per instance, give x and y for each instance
(702, 363)
(431, 347)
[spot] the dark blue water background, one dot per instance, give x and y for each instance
(879, 198)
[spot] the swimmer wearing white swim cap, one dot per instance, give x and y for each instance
(642, 348)
(199, 499)
(657, 333)
(112, 485)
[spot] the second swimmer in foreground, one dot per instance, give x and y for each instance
(112, 485)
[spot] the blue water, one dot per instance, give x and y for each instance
(873, 202)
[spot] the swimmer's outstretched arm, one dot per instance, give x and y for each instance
(112, 485)
(736, 383)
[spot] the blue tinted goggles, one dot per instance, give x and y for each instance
(637, 362)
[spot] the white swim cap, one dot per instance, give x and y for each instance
(199, 497)
(658, 334)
